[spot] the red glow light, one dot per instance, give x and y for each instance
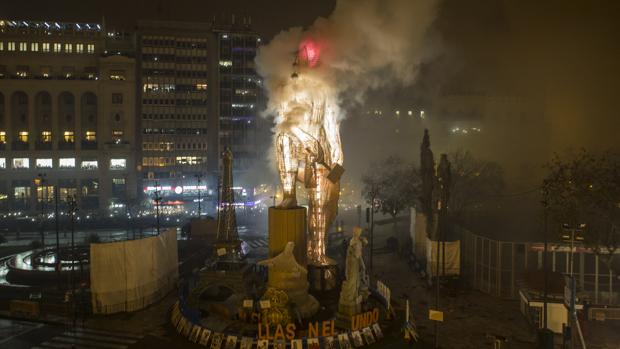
(309, 52)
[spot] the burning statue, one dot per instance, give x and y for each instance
(308, 150)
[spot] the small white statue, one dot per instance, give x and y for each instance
(355, 288)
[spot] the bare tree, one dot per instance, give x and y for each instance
(584, 188)
(474, 182)
(391, 186)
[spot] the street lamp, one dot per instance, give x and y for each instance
(40, 182)
(198, 179)
(72, 204)
(572, 234)
(157, 200)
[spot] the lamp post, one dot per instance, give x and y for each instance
(71, 202)
(40, 182)
(198, 179)
(157, 200)
(571, 234)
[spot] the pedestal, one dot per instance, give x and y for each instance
(288, 224)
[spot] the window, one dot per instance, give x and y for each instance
(117, 75)
(23, 136)
(23, 46)
(46, 136)
(21, 163)
(68, 72)
(2, 137)
(91, 72)
(22, 71)
(22, 193)
(91, 136)
(66, 162)
(118, 164)
(43, 163)
(117, 136)
(45, 193)
(90, 165)
(34, 47)
(11, 46)
(79, 48)
(69, 137)
(117, 98)
(45, 47)
(46, 71)
(57, 47)
(90, 48)
(1, 45)
(190, 160)
(201, 87)
(68, 48)
(2, 162)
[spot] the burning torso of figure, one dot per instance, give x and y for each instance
(308, 150)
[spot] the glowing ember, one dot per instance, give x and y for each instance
(309, 52)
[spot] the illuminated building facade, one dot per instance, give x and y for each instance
(238, 97)
(67, 104)
(198, 93)
(173, 92)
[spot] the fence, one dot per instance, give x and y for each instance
(494, 267)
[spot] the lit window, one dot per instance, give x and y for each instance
(2, 162)
(1, 45)
(45, 47)
(117, 136)
(225, 63)
(57, 47)
(91, 136)
(11, 46)
(68, 48)
(190, 160)
(23, 46)
(21, 163)
(117, 75)
(46, 71)
(90, 165)
(22, 71)
(90, 48)
(43, 163)
(201, 87)
(79, 48)
(118, 164)
(66, 162)
(46, 136)
(23, 136)
(22, 193)
(69, 137)
(3, 137)
(34, 47)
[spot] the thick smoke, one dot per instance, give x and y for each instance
(363, 45)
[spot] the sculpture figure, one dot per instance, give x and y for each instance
(287, 275)
(355, 288)
(308, 150)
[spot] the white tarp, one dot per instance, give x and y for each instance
(453, 257)
(130, 275)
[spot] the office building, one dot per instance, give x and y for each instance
(67, 115)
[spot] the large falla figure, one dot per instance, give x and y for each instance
(308, 150)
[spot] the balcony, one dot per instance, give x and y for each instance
(89, 145)
(19, 145)
(40, 145)
(62, 145)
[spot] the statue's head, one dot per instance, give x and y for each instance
(289, 247)
(357, 232)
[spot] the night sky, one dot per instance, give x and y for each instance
(566, 53)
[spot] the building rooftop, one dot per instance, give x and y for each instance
(50, 26)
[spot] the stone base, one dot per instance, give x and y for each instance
(323, 277)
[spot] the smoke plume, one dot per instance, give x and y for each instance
(363, 45)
